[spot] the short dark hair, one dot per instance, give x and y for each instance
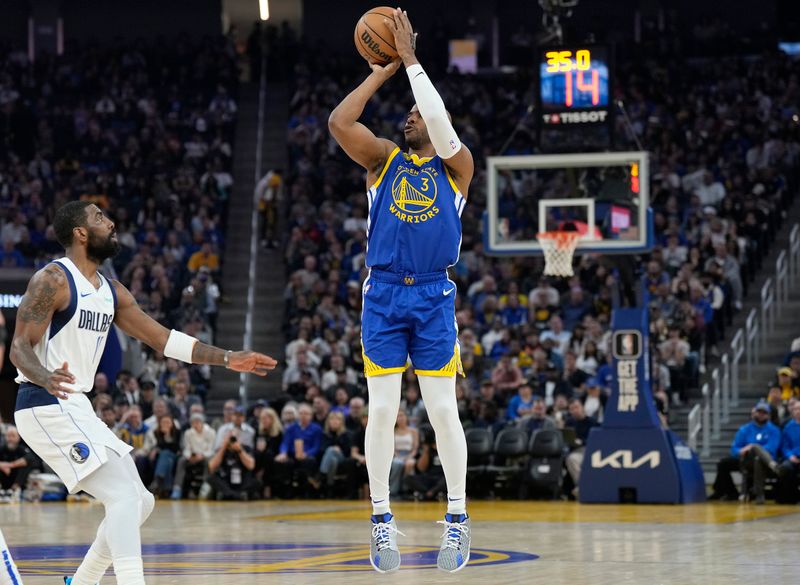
(68, 217)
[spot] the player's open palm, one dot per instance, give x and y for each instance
(251, 362)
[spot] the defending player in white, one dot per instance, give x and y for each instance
(62, 325)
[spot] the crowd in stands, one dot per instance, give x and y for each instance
(768, 447)
(724, 147)
(145, 131)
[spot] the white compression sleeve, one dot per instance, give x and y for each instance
(384, 402)
(431, 107)
(439, 396)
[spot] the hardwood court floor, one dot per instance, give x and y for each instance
(513, 542)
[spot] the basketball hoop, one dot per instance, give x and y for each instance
(558, 248)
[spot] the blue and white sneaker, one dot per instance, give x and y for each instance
(454, 552)
(384, 556)
(68, 581)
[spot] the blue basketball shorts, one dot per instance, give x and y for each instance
(409, 318)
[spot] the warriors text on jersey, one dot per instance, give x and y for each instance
(77, 335)
(413, 236)
(414, 216)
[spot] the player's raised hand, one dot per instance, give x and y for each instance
(385, 71)
(56, 381)
(251, 362)
(405, 38)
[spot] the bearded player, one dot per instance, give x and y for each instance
(414, 234)
(62, 325)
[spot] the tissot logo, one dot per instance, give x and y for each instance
(623, 459)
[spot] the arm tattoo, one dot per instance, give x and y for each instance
(37, 305)
(208, 354)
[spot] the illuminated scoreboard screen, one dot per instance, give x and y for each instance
(574, 86)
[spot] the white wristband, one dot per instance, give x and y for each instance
(180, 346)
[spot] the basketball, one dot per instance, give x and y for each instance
(374, 40)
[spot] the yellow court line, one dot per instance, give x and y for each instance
(558, 512)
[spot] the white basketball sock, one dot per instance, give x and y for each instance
(129, 571)
(96, 561)
(439, 396)
(9, 575)
(384, 402)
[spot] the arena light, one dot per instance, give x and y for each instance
(263, 7)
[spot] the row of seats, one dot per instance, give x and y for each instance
(513, 460)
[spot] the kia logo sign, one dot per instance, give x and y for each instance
(623, 459)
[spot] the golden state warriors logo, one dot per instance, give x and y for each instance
(414, 194)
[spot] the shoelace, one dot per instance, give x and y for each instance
(381, 532)
(453, 532)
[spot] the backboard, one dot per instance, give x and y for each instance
(605, 196)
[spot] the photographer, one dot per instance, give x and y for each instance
(231, 470)
(428, 482)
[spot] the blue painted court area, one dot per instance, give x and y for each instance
(250, 559)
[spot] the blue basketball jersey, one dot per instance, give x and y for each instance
(414, 223)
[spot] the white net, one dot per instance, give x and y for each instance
(558, 248)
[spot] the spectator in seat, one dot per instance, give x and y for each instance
(182, 401)
(730, 270)
(269, 436)
(163, 445)
(506, 376)
(788, 384)
(413, 405)
(574, 307)
(16, 463)
(341, 401)
(243, 431)
(673, 352)
(133, 431)
(779, 412)
(753, 451)
(789, 470)
(427, 482)
(298, 452)
(321, 408)
(231, 470)
(537, 419)
(352, 419)
(520, 405)
(582, 424)
(557, 333)
(198, 448)
(406, 446)
(335, 448)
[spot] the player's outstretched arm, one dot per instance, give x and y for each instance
(457, 157)
(136, 323)
(47, 293)
(357, 140)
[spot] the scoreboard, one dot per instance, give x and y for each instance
(574, 86)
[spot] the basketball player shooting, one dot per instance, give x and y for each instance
(62, 325)
(415, 203)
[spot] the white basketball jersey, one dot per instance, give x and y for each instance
(77, 335)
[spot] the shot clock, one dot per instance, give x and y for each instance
(574, 85)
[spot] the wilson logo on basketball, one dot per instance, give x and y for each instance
(375, 46)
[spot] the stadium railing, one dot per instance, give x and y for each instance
(704, 420)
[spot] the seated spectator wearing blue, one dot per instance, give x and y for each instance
(133, 431)
(754, 450)
(297, 459)
(537, 419)
(789, 470)
(520, 404)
